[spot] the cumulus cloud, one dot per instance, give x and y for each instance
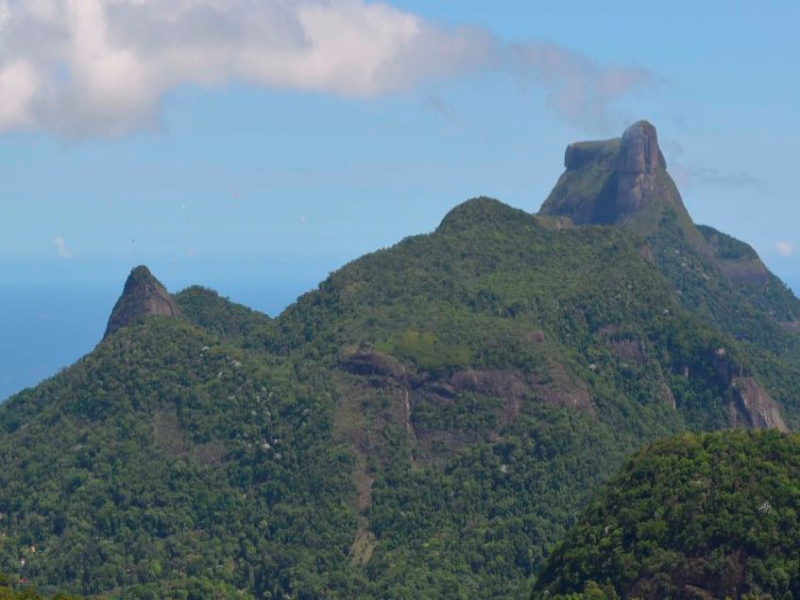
(784, 248)
(87, 67)
(61, 247)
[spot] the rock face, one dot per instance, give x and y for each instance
(363, 360)
(639, 161)
(638, 151)
(756, 405)
(143, 295)
(751, 405)
(557, 387)
(584, 153)
(608, 181)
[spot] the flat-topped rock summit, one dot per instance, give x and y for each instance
(142, 296)
(609, 181)
(624, 182)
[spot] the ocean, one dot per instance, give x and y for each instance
(45, 327)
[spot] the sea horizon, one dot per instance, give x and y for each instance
(48, 326)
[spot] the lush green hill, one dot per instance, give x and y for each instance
(231, 322)
(167, 460)
(696, 516)
(425, 424)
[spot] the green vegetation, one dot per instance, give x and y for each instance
(709, 515)
(230, 322)
(426, 424)
(725, 246)
(166, 462)
(587, 184)
(21, 591)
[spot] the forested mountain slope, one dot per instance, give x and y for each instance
(625, 182)
(427, 423)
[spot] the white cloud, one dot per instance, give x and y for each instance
(577, 88)
(88, 67)
(18, 84)
(785, 249)
(61, 247)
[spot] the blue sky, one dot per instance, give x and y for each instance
(123, 144)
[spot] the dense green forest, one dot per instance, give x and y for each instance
(428, 423)
(709, 515)
(10, 591)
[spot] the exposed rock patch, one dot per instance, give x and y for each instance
(752, 406)
(639, 161)
(698, 579)
(609, 181)
(669, 397)
(554, 388)
(142, 296)
(792, 326)
(363, 360)
(628, 350)
(757, 406)
(562, 390)
(537, 337)
(581, 154)
(639, 153)
(751, 272)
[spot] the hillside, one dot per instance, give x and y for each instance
(426, 423)
(625, 182)
(696, 516)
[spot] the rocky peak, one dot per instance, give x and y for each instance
(611, 181)
(580, 154)
(143, 295)
(639, 161)
(638, 151)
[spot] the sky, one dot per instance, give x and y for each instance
(246, 141)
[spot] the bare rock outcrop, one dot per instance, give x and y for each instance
(612, 181)
(557, 387)
(756, 405)
(752, 406)
(639, 162)
(364, 360)
(142, 296)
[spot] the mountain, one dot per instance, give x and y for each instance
(622, 180)
(143, 296)
(428, 422)
(625, 182)
(697, 516)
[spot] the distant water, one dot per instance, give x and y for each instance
(45, 327)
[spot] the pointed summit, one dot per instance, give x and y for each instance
(143, 295)
(614, 181)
